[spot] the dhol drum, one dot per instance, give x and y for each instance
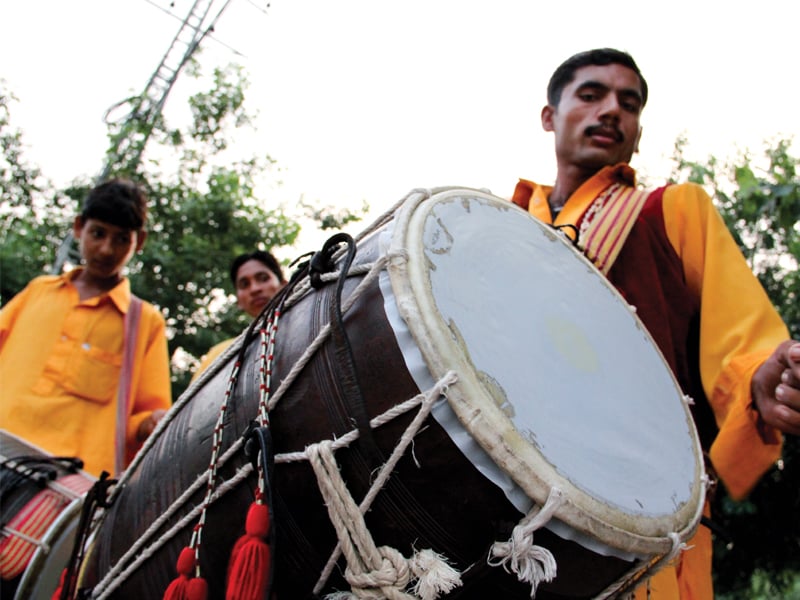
(42, 498)
(472, 412)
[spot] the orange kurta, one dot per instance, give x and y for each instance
(739, 329)
(60, 360)
(210, 356)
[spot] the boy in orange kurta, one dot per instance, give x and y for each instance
(61, 343)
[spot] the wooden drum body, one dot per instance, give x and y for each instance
(558, 400)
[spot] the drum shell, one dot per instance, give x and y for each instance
(434, 499)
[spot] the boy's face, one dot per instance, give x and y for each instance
(106, 248)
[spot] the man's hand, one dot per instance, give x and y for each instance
(147, 426)
(776, 388)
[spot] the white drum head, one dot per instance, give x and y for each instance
(559, 382)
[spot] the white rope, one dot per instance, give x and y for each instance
(391, 212)
(370, 568)
(112, 583)
(117, 574)
(133, 552)
(366, 567)
(324, 332)
(155, 526)
(433, 575)
(531, 563)
(352, 435)
(301, 289)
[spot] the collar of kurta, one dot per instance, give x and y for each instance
(119, 295)
(533, 196)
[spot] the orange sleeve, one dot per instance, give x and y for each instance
(210, 356)
(739, 329)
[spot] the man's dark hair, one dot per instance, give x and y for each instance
(261, 256)
(119, 202)
(565, 73)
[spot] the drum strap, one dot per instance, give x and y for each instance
(131, 330)
(608, 222)
(97, 497)
(346, 374)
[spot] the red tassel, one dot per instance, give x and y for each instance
(248, 573)
(197, 589)
(57, 594)
(178, 589)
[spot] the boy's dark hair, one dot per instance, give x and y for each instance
(119, 202)
(261, 256)
(565, 73)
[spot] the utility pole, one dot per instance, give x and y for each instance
(133, 130)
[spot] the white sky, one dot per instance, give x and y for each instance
(367, 99)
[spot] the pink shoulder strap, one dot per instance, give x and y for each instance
(131, 330)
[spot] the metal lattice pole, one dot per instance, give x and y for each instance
(129, 141)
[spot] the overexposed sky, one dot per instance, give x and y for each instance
(367, 99)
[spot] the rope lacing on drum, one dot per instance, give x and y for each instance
(267, 333)
(148, 544)
(372, 571)
(140, 551)
(432, 575)
(531, 563)
(634, 578)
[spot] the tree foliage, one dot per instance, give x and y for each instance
(32, 214)
(757, 553)
(204, 210)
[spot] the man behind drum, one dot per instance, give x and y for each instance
(678, 265)
(62, 344)
(256, 276)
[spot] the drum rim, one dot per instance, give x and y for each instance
(65, 524)
(493, 429)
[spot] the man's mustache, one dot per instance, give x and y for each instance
(605, 130)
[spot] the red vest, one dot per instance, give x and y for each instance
(649, 275)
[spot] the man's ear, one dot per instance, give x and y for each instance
(141, 236)
(638, 139)
(548, 112)
(77, 226)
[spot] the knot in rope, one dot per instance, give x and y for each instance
(393, 572)
(531, 563)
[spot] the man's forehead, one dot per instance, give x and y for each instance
(92, 222)
(249, 268)
(614, 76)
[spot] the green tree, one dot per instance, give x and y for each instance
(758, 555)
(206, 206)
(32, 213)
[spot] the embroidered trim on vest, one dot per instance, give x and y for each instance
(608, 221)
